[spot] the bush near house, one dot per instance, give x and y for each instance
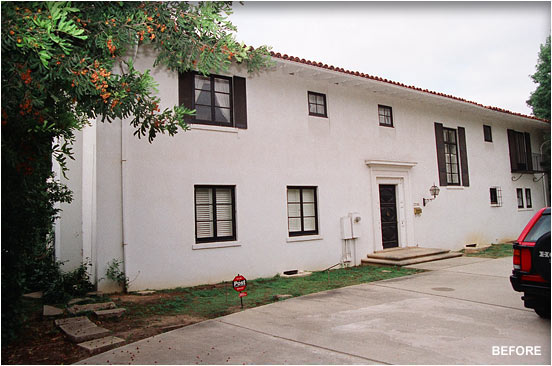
(57, 73)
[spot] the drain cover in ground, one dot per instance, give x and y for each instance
(443, 289)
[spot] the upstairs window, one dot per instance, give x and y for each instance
(452, 156)
(487, 133)
(302, 211)
(218, 100)
(385, 115)
(212, 99)
(521, 158)
(215, 213)
(317, 104)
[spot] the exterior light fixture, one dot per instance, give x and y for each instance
(434, 191)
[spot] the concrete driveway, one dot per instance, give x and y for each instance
(463, 311)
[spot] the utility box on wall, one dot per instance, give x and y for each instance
(346, 228)
(350, 226)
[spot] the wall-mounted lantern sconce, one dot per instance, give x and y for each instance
(434, 191)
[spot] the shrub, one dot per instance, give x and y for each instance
(116, 274)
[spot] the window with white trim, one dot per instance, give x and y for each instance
(215, 216)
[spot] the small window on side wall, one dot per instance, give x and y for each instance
(519, 192)
(385, 115)
(317, 104)
(496, 196)
(528, 200)
(487, 133)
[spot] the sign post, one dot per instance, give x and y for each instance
(240, 283)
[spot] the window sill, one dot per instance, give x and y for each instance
(455, 188)
(219, 244)
(525, 209)
(213, 128)
(294, 239)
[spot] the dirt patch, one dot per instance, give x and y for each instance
(130, 298)
(41, 342)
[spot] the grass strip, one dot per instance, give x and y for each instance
(210, 301)
(494, 251)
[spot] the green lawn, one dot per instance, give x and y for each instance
(494, 251)
(211, 301)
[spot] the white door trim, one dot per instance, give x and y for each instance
(395, 173)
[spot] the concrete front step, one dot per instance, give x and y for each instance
(416, 260)
(399, 254)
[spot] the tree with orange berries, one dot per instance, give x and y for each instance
(57, 73)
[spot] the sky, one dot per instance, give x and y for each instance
(480, 51)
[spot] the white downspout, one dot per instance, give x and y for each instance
(123, 181)
(123, 195)
(57, 225)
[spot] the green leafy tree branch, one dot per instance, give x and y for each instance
(58, 72)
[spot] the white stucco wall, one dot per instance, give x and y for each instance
(283, 146)
(69, 224)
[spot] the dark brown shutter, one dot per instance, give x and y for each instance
(240, 102)
(529, 154)
(512, 145)
(440, 142)
(186, 88)
(463, 156)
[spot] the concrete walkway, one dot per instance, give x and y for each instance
(454, 314)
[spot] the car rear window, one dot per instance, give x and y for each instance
(541, 226)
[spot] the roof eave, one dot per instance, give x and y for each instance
(410, 88)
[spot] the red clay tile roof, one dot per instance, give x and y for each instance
(376, 78)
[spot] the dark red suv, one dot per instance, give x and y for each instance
(531, 274)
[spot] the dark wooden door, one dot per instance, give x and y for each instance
(388, 210)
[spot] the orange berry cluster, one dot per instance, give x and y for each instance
(111, 47)
(26, 77)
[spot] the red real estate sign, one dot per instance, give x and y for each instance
(239, 283)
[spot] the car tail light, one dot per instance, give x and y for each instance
(526, 259)
(517, 259)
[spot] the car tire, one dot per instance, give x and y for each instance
(541, 262)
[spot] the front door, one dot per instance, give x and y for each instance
(388, 210)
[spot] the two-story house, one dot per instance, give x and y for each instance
(276, 159)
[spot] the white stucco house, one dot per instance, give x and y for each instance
(273, 163)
